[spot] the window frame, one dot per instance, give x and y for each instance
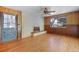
(8, 19)
(59, 24)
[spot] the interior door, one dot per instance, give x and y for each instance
(9, 28)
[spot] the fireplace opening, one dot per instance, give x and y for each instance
(36, 29)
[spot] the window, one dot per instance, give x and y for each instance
(9, 21)
(58, 22)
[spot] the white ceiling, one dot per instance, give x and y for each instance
(64, 9)
(39, 9)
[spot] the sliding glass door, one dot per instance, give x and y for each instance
(9, 28)
(0, 27)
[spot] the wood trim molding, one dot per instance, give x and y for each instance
(9, 11)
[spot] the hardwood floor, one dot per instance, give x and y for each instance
(42, 43)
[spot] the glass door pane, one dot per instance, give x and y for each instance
(0, 27)
(9, 31)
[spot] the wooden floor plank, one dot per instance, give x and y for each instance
(43, 43)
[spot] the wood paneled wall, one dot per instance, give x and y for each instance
(18, 15)
(72, 28)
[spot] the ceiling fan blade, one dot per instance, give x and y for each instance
(51, 11)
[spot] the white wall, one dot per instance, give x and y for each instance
(39, 21)
(29, 19)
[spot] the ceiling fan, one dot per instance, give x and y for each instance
(47, 11)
